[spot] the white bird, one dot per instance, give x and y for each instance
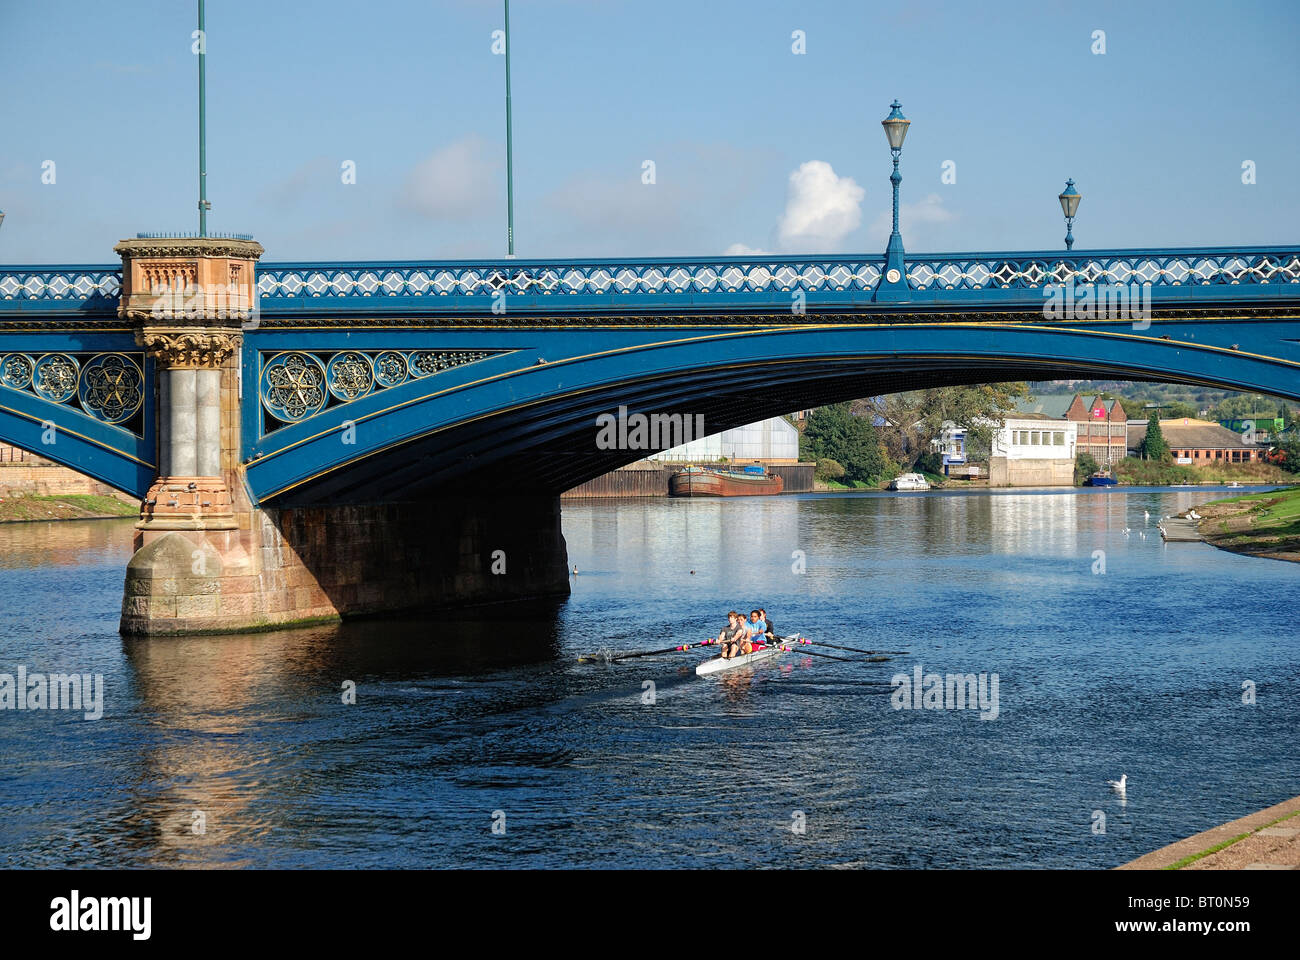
(1146, 515)
(1120, 786)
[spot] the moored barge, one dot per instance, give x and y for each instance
(716, 482)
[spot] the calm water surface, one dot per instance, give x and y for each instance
(458, 719)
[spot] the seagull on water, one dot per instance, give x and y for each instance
(1146, 515)
(1120, 786)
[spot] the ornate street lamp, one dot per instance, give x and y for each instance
(895, 276)
(1069, 198)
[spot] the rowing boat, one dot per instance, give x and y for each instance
(716, 664)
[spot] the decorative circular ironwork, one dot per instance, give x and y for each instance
(16, 370)
(349, 375)
(390, 368)
(293, 386)
(54, 377)
(425, 363)
(111, 387)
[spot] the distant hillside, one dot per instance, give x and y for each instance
(1136, 394)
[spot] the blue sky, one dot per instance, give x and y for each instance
(1154, 131)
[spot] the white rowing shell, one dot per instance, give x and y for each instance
(716, 664)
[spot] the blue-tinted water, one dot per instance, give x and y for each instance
(464, 721)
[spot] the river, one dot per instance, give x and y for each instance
(477, 739)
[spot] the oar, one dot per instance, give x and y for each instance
(615, 655)
(823, 643)
(814, 653)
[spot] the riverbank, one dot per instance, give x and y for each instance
(1154, 473)
(1256, 524)
(1267, 840)
(70, 506)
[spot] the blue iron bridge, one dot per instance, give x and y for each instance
(364, 382)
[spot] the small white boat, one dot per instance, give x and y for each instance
(909, 481)
(716, 664)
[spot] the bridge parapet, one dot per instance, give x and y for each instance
(684, 284)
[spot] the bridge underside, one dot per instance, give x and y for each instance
(519, 422)
(552, 446)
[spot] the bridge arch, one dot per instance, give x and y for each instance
(527, 419)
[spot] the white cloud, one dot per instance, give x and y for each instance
(821, 208)
(740, 250)
(457, 182)
(916, 222)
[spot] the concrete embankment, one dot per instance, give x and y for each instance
(1267, 840)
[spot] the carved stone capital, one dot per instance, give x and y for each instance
(195, 280)
(191, 347)
(189, 248)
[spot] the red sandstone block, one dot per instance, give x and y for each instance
(188, 608)
(198, 586)
(234, 586)
(241, 605)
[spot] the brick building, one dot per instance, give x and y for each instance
(1197, 442)
(1103, 429)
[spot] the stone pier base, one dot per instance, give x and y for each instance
(303, 564)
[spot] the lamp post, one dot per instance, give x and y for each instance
(1069, 198)
(204, 206)
(510, 152)
(894, 280)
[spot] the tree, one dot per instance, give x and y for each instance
(1153, 445)
(1177, 409)
(1290, 451)
(1284, 414)
(1241, 406)
(834, 433)
(914, 419)
(827, 469)
(1084, 467)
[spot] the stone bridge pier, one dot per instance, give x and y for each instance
(210, 559)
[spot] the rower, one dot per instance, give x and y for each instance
(734, 638)
(756, 627)
(771, 630)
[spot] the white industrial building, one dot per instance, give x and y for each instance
(773, 441)
(1028, 450)
(1033, 450)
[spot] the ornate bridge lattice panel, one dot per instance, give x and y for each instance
(296, 385)
(683, 285)
(686, 284)
(86, 290)
(106, 386)
(89, 409)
